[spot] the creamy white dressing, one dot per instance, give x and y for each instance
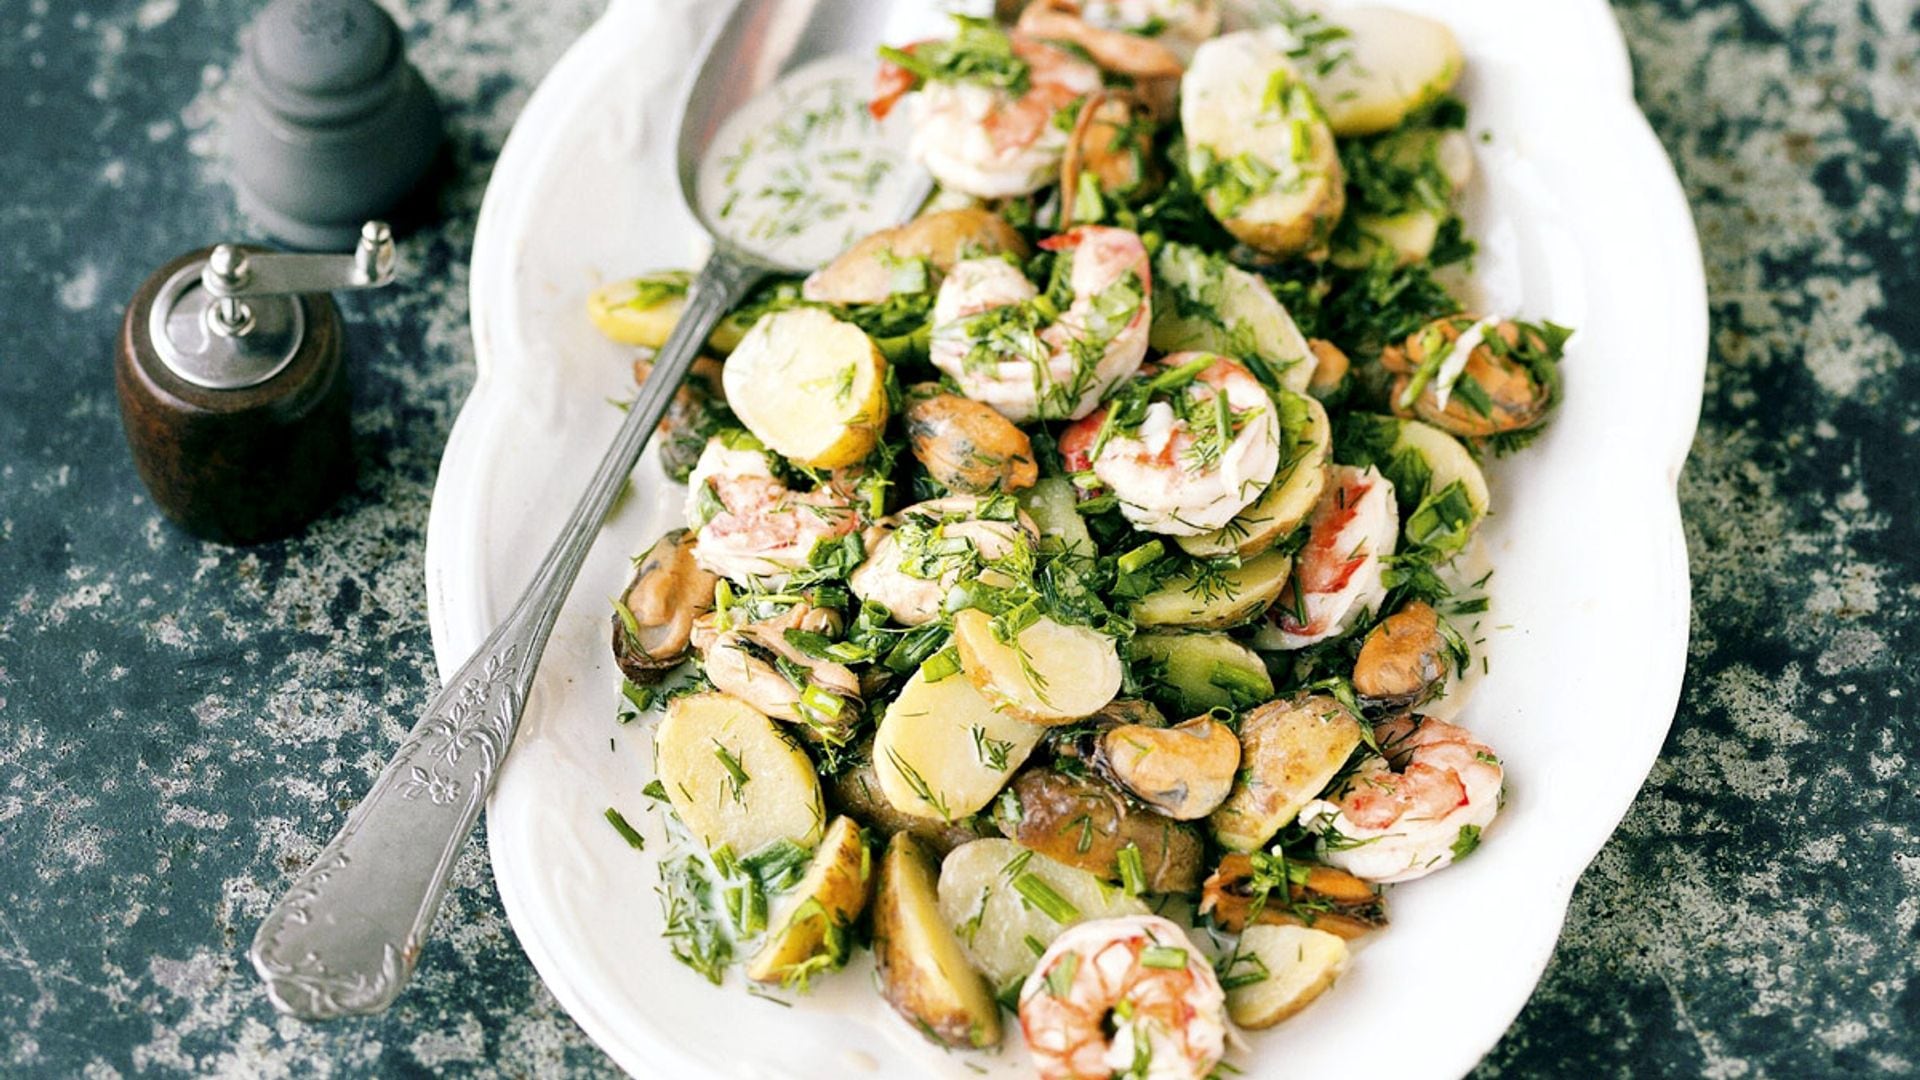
(803, 170)
(1456, 358)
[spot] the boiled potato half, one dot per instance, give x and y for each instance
(1289, 751)
(811, 387)
(1397, 63)
(640, 311)
(1051, 673)
(1300, 964)
(1215, 599)
(1258, 147)
(1191, 673)
(1203, 302)
(1289, 500)
(924, 974)
(992, 916)
(811, 923)
(943, 751)
(733, 777)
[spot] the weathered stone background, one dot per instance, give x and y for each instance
(180, 724)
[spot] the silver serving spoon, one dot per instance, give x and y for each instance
(345, 937)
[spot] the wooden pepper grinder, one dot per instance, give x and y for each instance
(233, 386)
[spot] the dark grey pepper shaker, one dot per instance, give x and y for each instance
(333, 126)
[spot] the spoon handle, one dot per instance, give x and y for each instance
(345, 937)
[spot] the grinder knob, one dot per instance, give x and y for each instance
(233, 388)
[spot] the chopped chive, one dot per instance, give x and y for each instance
(1141, 557)
(1164, 957)
(732, 765)
(655, 790)
(1043, 897)
(627, 832)
(640, 697)
(1060, 976)
(941, 664)
(1133, 870)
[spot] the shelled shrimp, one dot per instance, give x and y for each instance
(1200, 452)
(1418, 807)
(984, 107)
(1137, 975)
(1339, 575)
(1001, 341)
(1105, 35)
(751, 526)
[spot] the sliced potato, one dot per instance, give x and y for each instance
(640, 311)
(812, 922)
(1052, 504)
(1289, 500)
(1300, 965)
(1442, 493)
(942, 751)
(1052, 672)
(1203, 302)
(924, 974)
(1215, 599)
(1191, 673)
(1397, 63)
(855, 791)
(811, 387)
(733, 777)
(996, 924)
(1258, 147)
(1289, 751)
(1088, 824)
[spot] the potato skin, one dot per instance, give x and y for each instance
(838, 878)
(924, 974)
(856, 793)
(1043, 811)
(1289, 751)
(967, 446)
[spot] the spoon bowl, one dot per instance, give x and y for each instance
(753, 48)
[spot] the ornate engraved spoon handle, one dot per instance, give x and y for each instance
(345, 937)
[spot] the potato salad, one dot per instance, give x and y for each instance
(1074, 592)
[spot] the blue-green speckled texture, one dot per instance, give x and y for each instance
(181, 724)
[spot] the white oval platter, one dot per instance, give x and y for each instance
(1580, 219)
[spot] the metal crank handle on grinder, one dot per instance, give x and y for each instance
(346, 936)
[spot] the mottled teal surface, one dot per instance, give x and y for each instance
(182, 724)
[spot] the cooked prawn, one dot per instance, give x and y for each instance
(1339, 575)
(1202, 451)
(998, 337)
(1181, 25)
(1414, 810)
(1112, 42)
(1137, 976)
(752, 527)
(982, 138)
